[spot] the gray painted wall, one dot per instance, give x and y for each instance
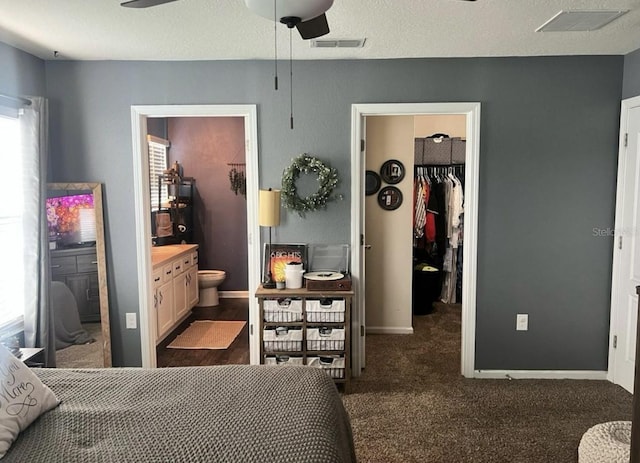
(20, 73)
(631, 79)
(204, 146)
(547, 174)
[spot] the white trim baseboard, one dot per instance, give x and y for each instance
(540, 374)
(233, 294)
(389, 330)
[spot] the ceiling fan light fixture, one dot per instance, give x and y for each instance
(303, 9)
(290, 21)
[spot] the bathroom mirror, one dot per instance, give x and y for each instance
(77, 259)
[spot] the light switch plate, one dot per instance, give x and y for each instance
(132, 321)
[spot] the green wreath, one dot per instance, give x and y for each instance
(327, 181)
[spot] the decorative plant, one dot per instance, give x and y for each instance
(238, 181)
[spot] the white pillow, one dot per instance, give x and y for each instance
(23, 398)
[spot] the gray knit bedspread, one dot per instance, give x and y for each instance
(236, 413)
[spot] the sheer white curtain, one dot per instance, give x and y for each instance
(38, 326)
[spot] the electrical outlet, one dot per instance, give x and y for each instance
(132, 321)
(522, 322)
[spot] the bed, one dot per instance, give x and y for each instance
(237, 413)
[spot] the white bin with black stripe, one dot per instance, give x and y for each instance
(333, 365)
(325, 310)
(283, 310)
(283, 360)
(325, 338)
(282, 339)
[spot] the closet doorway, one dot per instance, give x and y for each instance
(395, 317)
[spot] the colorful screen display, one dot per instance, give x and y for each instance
(71, 219)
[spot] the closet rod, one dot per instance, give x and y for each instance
(440, 165)
(16, 99)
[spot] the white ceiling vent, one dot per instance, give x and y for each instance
(327, 43)
(580, 20)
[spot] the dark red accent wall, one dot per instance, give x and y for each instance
(204, 146)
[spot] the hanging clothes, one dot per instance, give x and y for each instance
(420, 206)
(438, 220)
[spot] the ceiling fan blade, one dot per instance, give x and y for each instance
(144, 3)
(313, 28)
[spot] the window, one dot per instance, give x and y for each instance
(12, 300)
(158, 163)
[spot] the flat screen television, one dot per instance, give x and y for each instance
(71, 220)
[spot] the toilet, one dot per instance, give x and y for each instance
(208, 282)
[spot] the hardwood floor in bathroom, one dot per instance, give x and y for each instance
(237, 353)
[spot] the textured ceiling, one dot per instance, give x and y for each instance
(226, 29)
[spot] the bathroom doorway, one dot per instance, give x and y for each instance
(248, 156)
(210, 151)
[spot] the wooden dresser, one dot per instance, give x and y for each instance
(78, 269)
(301, 327)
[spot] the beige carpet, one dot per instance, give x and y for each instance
(83, 355)
(206, 334)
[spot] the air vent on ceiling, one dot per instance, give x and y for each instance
(580, 20)
(327, 43)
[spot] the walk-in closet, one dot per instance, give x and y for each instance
(438, 219)
(414, 261)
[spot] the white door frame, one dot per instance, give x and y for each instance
(139, 116)
(470, 256)
(627, 104)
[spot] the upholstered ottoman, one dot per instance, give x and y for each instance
(606, 443)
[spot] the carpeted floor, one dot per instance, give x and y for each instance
(412, 405)
(83, 355)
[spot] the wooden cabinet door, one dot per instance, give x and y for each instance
(193, 294)
(164, 307)
(86, 295)
(180, 295)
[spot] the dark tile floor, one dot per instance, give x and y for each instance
(237, 353)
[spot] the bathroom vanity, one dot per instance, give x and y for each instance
(175, 285)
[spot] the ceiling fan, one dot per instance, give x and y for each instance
(308, 16)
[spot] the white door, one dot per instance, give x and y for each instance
(359, 331)
(626, 257)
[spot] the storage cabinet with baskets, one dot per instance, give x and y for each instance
(300, 327)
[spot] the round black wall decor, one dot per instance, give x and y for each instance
(372, 183)
(392, 171)
(390, 198)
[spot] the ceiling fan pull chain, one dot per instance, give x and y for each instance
(275, 40)
(291, 77)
